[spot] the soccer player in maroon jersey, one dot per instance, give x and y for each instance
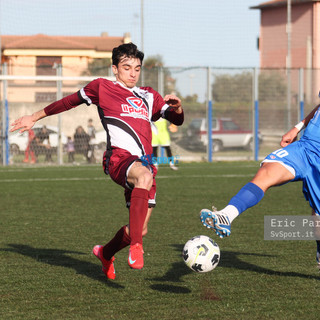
(126, 112)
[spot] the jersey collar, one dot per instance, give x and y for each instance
(123, 86)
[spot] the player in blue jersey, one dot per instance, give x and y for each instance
(296, 161)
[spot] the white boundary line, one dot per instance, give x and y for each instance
(108, 178)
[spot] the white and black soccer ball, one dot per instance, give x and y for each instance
(201, 254)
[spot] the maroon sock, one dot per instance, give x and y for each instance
(119, 241)
(137, 213)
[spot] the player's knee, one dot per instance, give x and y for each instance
(145, 180)
(271, 174)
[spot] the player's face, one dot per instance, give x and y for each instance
(128, 71)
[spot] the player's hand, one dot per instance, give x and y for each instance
(174, 102)
(24, 123)
(289, 137)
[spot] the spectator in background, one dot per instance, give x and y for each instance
(92, 135)
(70, 150)
(161, 138)
(41, 144)
(81, 142)
(29, 152)
(91, 129)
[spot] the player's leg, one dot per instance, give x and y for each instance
(107, 252)
(146, 221)
(155, 155)
(270, 174)
(169, 155)
(168, 151)
(33, 152)
(121, 240)
(107, 264)
(48, 154)
(26, 154)
(142, 179)
(33, 157)
(119, 168)
(155, 151)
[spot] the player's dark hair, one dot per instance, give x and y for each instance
(126, 50)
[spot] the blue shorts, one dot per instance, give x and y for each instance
(302, 159)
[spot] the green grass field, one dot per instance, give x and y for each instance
(51, 217)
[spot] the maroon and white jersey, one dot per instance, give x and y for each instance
(126, 113)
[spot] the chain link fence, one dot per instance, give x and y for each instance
(250, 109)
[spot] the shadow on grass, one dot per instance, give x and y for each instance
(174, 274)
(229, 259)
(232, 259)
(60, 258)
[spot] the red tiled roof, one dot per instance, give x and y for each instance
(278, 3)
(41, 41)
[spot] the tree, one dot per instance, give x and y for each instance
(152, 67)
(272, 86)
(231, 88)
(191, 103)
(237, 88)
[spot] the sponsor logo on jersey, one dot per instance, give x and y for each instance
(135, 108)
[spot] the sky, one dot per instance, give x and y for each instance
(185, 33)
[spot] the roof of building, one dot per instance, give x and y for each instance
(42, 41)
(279, 3)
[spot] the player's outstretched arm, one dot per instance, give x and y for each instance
(289, 137)
(27, 122)
(292, 134)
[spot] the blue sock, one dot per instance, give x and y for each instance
(248, 196)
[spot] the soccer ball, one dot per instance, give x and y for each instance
(201, 254)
